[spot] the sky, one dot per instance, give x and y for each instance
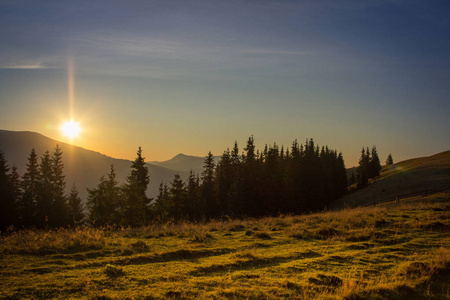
(195, 76)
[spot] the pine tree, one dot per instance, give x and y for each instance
(44, 203)
(389, 160)
(374, 165)
(177, 194)
(75, 208)
(103, 202)
(208, 196)
(224, 177)
(30, 188)
(193, 197)
(249, 180)
(6, 196)
(16, 194)
(136, 210)
(162, 203)
(363, 178)
(59, 211)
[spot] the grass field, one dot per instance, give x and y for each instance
(400, 251)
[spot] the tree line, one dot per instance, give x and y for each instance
(38, 199)
(256, 183)
(250, 183)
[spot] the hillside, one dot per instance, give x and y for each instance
(400, 252)
(404, 179)
(81, 166)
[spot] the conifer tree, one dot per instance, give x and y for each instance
(6, 195)
(374, 165)
(177, 194)
(59, 201)
(44, 201)
(75, 208)
(224, 180)
(193, 197)
(208, 197)
(135, 206)
(363, 178)
(30, 188)
(103, 201)
(16, 194)
(389, 160)
(162, 205)
(249, 180)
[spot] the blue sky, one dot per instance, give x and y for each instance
(194, 76)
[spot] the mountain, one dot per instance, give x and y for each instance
(81, 166)
(184, 163)
(407, 178)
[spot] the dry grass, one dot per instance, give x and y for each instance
(399, 251)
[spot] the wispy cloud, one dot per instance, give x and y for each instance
(143, 56)
(25, 67)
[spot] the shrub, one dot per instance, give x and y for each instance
(113, 271)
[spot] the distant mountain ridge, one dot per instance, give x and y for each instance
(183, 162)
(81, 166)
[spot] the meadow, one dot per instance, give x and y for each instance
(390, 251)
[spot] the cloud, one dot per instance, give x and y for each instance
(25, 67)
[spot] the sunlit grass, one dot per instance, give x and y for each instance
(399, 251)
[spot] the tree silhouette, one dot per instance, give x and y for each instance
(75, 208)
(103, 201)
(135, 206)
(374, 165)
(363, 177)
(389, 160)
(45, 196)
(7, 206)
(59, 208)
(30, 187)
(208, 197)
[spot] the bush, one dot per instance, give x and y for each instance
(114, 271)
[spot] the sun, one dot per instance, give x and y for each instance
(70, 129)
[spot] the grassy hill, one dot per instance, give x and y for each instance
(404, 179)
(399, 252)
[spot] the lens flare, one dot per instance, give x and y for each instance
(70, 129)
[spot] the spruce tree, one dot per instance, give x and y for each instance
(177, 194)
(16, 194)
(389, 160)
(208, 198)
(374, 165)
(6, 196)
(103, 202)
(44, 203)
(363, 178)
(193, 197)
(30, 188)
(249, 180)
(224, 179)
(136, 210)
(59, 211)
(162, 203)
(75, 208)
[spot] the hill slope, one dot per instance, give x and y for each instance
(414, 176)
(81, 166)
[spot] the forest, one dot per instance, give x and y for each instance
(251, 183)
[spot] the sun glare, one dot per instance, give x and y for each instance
(70, 129)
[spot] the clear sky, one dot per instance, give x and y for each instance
(194, 76)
